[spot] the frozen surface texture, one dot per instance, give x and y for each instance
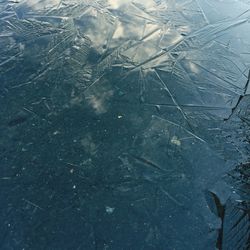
(124, 124)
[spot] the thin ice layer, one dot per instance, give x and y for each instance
(119, 120)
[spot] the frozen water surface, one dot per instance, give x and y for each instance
(125, 124)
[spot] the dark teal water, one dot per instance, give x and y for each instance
(124, 124)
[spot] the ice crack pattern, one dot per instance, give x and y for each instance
(125, 124)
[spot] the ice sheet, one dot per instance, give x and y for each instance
(125, 124)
